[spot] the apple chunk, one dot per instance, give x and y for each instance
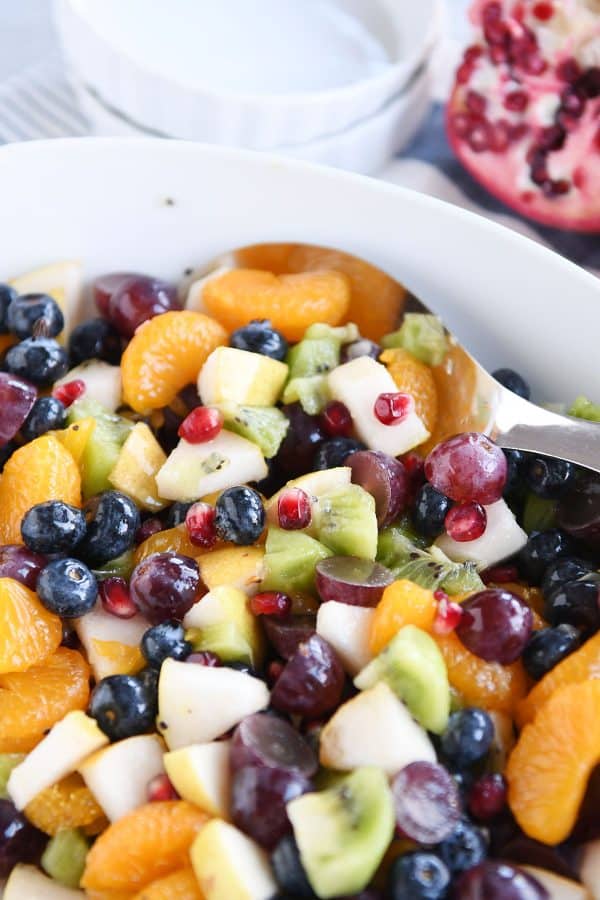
(229, 865)
(201, 774)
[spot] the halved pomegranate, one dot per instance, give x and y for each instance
(524, 114)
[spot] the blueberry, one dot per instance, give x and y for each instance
(95, 339)
(243, 667)
(289, 871)
(541, 549)
(240, 515)
(510, 379)
(430, 511)
(40, 360)
(567, 568)
(30, 312)
(468, 736)
(122, 706)
(515, 461)
(112, 521)
(148, 678)
(20, 842)
(332, 453)
(361, 347)
(164, 641)
(53, 527)
(7, 295)
(47, 414)
(259, 337)
(549, 478)
(575, 603)
(418, 876)
(67, 587)
(6, 451)
(547, 647)
(466, 847)
(176, 514)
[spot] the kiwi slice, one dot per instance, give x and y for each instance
(346, 521)
(412, 665)
(265, 425)
(539, 514)
(120, 567)
(311, 392)
(64, 857)
(342, 334)
(8, 762)
(290, 560)
(226, 639)
(313, 357)
(343, 832)
(103, 446)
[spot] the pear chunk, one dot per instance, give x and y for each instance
(503, 536)
(229, 865)
(201, 774)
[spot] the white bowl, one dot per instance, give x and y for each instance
(364, 147)
(139, 58)
(165, 206)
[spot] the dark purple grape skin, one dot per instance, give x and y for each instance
(258, 799)
(22, 564)
(495, 625)
(385, 478)
(348, 579)
(312, 681)
(303, 437)
(271, 742)
(165, 586)
(285, 634)
(426, 801)
(20, 842)
(138, 299)
(498, 880)
(579, 511)
(17, 397)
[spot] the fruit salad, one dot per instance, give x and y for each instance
(271, 628)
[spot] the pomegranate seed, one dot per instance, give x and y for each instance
(491, 12)
(271, 603)
(476, 102)
(500, 575)
(543, 10)
(590, 83)
(479, 137)
(415, 469)
(556, 187)
(472, 53)
(518, 131)
(496, 33)
(69, 392)
(462, 123)
(568, 70)
(274, 670)
(448, 614)
(534, 63)
(294, 510)
(572, 101)
(200, 425)
(597, 139)
(160, 788)
(500, 136)
(487, 797)
(498, 54)
(115, 599)
(464, 72)
(465, 521)
(147, 529)
(392, 409)
(204, 658)
(518, 12)
(200, 524)
(336, 419)
(579, 176)
(551, 138)
(516, 101)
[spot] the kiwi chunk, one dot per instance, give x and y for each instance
(120, 567)
(64, 857)
(103, 446)
(412, 665)
(313, 357)
(311, 392)
(539, 513)
(264, 425)
(346, 521)
(226, 639)
(343, 832)
(290, 560)
(422, 335)
(8, 762)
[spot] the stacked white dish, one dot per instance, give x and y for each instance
(343, 82)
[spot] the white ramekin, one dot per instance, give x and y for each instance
(163, 104)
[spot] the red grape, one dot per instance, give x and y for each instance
(258, 800)
(20, 842)
(312, 681)
(165, 586)
(105, 286)
(286, 634)
(465, 521)
(348, 579)
(467, 467)
(426, 801)
(487, 797)
(385, 478)
(271, 742)
(16, 401)
(579, 510)
(138, 299)
(495, 625)
(22, 564)
(495, 878)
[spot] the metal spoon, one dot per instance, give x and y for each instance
(472, 400)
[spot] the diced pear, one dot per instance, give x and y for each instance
(197, 704)
(358, 383)
(201, 774)
(347, 629)
(374, 729)
(315, 484)
(112, 645)
(140, 459)
(239, 567)
(63, 749)
(227, 604)
(503, 537)
(558, 888)
(102, 382)
(28, 883)
(118, 775)
(237, 377)
(194, 470)
(194, 298)
(590, 868)
(229, 865)
(63, 281)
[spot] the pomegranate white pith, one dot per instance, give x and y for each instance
(524, 114)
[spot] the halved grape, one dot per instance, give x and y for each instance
(285, 634)
(426, 801)
(16, 401)
(348, 579)
(385, 478)
(258, 801)
(136, 300)
(312, 682)
(579, 511)
(468, 466)
(495, 625)
(105, 286)
(21, 563)
(495, 878)
(271, 742)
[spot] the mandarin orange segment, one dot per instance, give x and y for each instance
(66, 804)
(415, 378)
(117, 658)
(143, 846)
(291, 302)
(181, 885)
(579, 666)
(165, 354)
(171, 539)
(28, 632)
(402, 603)
(32, 702)
(549, 768)
(486, 684)
(38, 471)
(456, 382)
